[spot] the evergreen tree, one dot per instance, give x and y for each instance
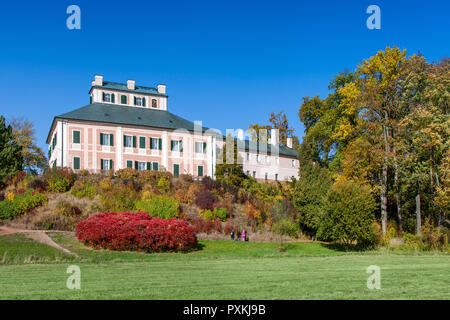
(11, 159)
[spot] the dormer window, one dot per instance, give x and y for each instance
(154, 103)
(139, 102)
(108, 97)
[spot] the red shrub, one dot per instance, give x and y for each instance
(205, 200)
(201, 225)
(136, 231)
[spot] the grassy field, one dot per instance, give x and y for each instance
(219, 270)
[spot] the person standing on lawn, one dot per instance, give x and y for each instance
(232, 235)
(244, 234)
(238, 236)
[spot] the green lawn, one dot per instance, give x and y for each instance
(220, 270)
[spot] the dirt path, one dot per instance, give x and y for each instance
(38, 236)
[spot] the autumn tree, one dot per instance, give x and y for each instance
(34, 160)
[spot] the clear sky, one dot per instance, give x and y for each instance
(227, 63)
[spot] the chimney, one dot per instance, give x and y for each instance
(289, 143)
(162, 88)
(274, 137)
(130, 84)
(98, 80)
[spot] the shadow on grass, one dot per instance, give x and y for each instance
(344, 248)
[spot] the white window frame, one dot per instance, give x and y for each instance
(176, 145)
(126, 141)
(293, 163)
(201, 143)
(106, 167)
(108, 135)
(139, 101)
(107, 97)
(142, 166)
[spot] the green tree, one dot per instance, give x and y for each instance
(11, 159)
(310, 191)
(279, 121)
(347, 214)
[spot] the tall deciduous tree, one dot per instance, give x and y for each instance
(34, 160)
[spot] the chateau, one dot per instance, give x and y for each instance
(128, 126)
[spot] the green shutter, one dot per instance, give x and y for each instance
(134, 141)
(136, 165)
(103, 96)
(134, 100)
(111, 140)
(90, 99)
(101, 164)
(142, 142)
(176, 170)
(151, 142)
(200, 171)
(113, 98)
(149, 166)
(155, 166)
(76, 136)
(111, 165)
(143, 102)
(76, 163)
(204, 147)
(181, 145)
(101, 139)
(171, 145)
(129, 164)
(124, 140)
(160, 143)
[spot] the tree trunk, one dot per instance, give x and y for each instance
(397, 194)
(383, 192)
(418, 218)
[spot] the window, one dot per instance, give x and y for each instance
(276, 176)
(154, 103)
(155, 166)
(76, 163)
(266, 176)
(200, 147)
(129, 164)
(106, 139)
(277, 160)
(258, 158)
(176, 170)
(140, 166)
(247, 172)
(156, 143)
(123, 99)
(142, 142)
(293, 163)
(200, 171)
(129, 141)
(106, 164)
(248, 156)
(137, 101)
(254, 174)
(176, 145)
(267, 159)
(108, 97)
(76, 136)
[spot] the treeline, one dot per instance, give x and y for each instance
(382, 130)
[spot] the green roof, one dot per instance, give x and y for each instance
(125, 115)
(123, 87)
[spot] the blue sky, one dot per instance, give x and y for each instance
(227, 63)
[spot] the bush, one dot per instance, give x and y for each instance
(206, 214)
(347, 215)
(163, 185)
(85, 189)
(201, 225)
(205, 200)
(38, 184)
(67, 209)
(59, 180)
(136, 231)
(221, 214)
(59, 184)
(159, 206)
(119, 198)
(17, 205)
